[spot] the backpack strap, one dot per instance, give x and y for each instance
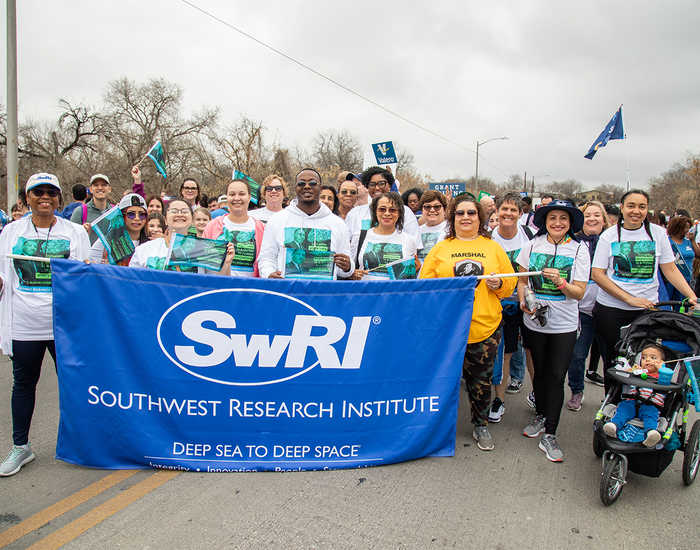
(84, 207)
(528, 232)
(360, 242)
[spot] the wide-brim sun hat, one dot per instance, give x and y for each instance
(42, 178)
(575, 214)
(132, 199)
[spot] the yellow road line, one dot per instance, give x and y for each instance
(98, 514)
(62, 506)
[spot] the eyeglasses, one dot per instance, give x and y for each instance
(188, 188)
(384, 210)
(277, 188)
(434, 207)
(53, 193)
(179, 211)
(348, 192)
(466, 213)
(380, 183)
(133, 215)
(310, 183)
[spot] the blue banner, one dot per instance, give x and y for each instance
(613, 130)
(209, 373)
(454, 188)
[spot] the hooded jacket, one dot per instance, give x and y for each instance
(272, 255)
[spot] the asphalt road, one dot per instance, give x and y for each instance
(511, 497)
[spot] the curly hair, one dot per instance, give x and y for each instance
(373, 171)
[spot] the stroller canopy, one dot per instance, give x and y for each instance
(659, 327)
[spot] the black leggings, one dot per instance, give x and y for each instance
(551, 356)
(607, 322)
(27, 357)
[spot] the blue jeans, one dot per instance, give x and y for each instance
(626, 412)
(577, 367)
(517, 364)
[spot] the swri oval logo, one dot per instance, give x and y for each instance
(253, 337)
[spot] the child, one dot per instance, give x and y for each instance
(652, 359)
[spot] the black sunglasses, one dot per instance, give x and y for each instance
(41, 192)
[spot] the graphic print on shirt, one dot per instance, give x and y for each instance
(244, 245)
(36, 276)
(543, 287)
(158, 263)
(429, 240)
(465, 268)
(513, 256)
(633, 261)
(681, 263)
(380, 254)
(307, 253)
(366, 224)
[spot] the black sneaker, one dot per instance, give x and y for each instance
(497, 410)
(515, 386)
(594, 378)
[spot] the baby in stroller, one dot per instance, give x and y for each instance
(640, 402)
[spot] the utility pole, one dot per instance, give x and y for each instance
(11, 103)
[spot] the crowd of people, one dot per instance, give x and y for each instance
(596, 268)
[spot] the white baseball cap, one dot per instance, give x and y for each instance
(96, 177)
(42, 178)
(222, 198)
(132, 199)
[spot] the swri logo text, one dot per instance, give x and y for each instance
(253, 337)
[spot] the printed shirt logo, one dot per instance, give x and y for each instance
(466, 268)
(633, 261)
(380, 254)
(543, 287)
(513, 256)
(244, 245)
(36, 276)
(429, 241)
(308, 253)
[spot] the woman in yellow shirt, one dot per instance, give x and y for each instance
(469, 250)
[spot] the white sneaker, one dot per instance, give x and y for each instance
(18, 457)
(496, 411)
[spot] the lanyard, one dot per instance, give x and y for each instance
(46, 242)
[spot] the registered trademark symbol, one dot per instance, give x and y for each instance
(376, 320)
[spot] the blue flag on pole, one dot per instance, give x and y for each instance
(239, 374)
(157, 156)
(613, 130)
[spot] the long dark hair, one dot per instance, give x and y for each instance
(459, 199)
(336, 202)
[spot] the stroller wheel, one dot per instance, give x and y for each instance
(691, 458)
(612, 479)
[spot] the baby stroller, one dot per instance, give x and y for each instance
(679, 335)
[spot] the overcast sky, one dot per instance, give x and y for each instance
(549, 75)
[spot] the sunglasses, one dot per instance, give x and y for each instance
(384, 210)
(466, 213)
(435, 207)
(274, 188)
(49, 192)
(348, 192)
(310, 183)
(134, 215)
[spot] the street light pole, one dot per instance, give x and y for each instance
(479, 144)
(11, 103)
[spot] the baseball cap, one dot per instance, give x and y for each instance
(132, 199)
(222, 198)
(352, 176)
(96, 177)
(42, 178)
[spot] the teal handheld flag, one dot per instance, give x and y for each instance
(253, 185)
(613, 130)
(158, 158)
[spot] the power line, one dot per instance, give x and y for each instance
(329, 79)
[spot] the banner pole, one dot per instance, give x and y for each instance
(504, 275)
(32, 258)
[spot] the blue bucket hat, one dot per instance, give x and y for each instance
(575, 215)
